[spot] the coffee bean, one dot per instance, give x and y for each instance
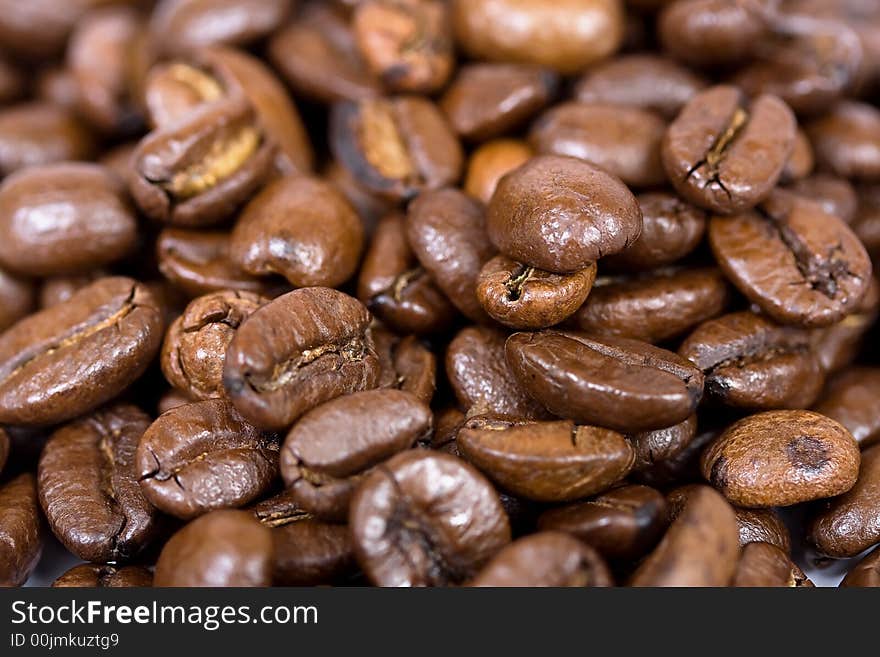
(764, 526)
(838, 345)
(545, 559)
(91, 575)
(69, 359)
(407, 365)
(622, 384)
(204, 456)
(765, 565)
(17, 299)
(867, 222)
(304, 348)
(330, 447)
(865, 573)
(36, 133)
(426, 518)
(309, 553)
(4, 448)
(660, 445)
(682, 466)
(21, 530)
(491, 162)
(725, 153)
(853, 399)
(58, 289)
(800, 163)
(835, 195)
(221, 548)
(699, 549)
(780, 458)
(622, 524)
(539, 215)
(546, 461)
(800, 264)
(847, 140)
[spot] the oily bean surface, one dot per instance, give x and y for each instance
(90, 575)
(20, 529)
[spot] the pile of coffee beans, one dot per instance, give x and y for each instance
(439, 292)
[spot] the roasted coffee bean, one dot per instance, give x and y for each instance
(671, 229)
(800, 264)
(660, 445)
(762, 525)
(835, 195)
(329, 448)
(847, 140)
(539, 214)
(523, 297)
(765, 565)
(853, 399)
(21, 540)
(654, 308)
(197, 171)
(396, 288)
(867, 222)
(624, 141)
(622, 384)
(92, 575)
(38, 133)
(547, 558)
(63, 218)
(865, 573)
(780, 458)
(726, 154)
(396, 147)
(69, 359)
(648, 82)
(481, 379)
(17, 299)
(41, 28)
(838, 345)
(490, 100)
(371, 207)
(683, 466)
(546, 461)
(407, 364)
(407, 44)
(204, 456)
(567, 35)
(801, 161)
(58, 289)
(750, 362)
(447, 232)
(172, 399)
(300, 350)
(700, 548)
(4, 448)
(309, 553)
(195, 344)
(88, 486)
(301, 228)
(622, 524)
(491, 162)
(180, 26)
(221, 548)
(426, 518)
(849, 524)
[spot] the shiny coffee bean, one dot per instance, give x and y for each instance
(17, 299)
(204, 456)
(853, 399)
(58, 289)
(780, 458)
(21, 541)
(836, 195)
(407, 365)
(800, 163)
(660, 445)
(492, 161)
(865, 573)
(37, 133)
(426, 518)
(310, 553)
(847, 140)
(92, 575)
(765, 565)
(69, 359)
(763, 525)
(622, 384)
(682, 466)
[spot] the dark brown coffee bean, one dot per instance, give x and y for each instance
(654, 308)
(38, 133)
(197, 171)
(765, 565)
(330, 447)
(58, 289)
(172, 399)
(567, 35)
(88, 485)
(618, 383)
(865, 573)
(407, 365)
(660, 445)
(750, 362)
(490, 163)
(622, 524)
(447, 232)
(405, 43)
(64, 218)
(490, 100)
(204, 456)
(547, 558)
(69, 359)
(221, 548)
(700, 548)
(301, 228)
(671, 229)
(867, 222)
(624, 141)
(523, 297)
(801, 161)
(396, 288)
(21, 540)
(763, 525)
(838, 345)
(849, 524)
(682, 466)
(92, 575)
(17, 299)
(41, 28)
(836, 195)
(538, 214)
(546, 461)
(300, 350)
(853, 399)
(800, 264)
(396, 147)
(643, 81)
(426, 519)
(780, 458)
(4, 448)
(310, 553)
(847, 140)
(481, 379)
